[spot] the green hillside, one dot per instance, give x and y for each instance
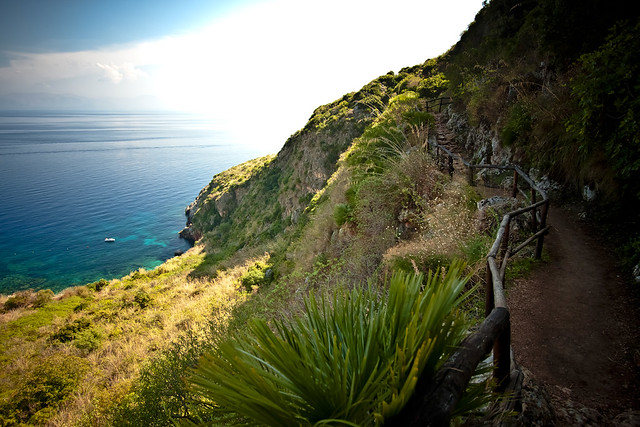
(343, 223)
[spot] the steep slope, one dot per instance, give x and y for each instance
(255, 202)
(553, 86)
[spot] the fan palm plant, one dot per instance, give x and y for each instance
(353, 359)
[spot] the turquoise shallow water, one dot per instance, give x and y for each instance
(69, 180)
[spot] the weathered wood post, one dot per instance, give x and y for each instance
(470, 179)
(505, 237)
(489, 301)
(450, 165)
(534, 215)
(543, 223)
(502, 357)
(514, 189)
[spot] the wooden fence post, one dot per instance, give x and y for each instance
(534, 213)
(502, 357)
(489, 301)
(543, 223)
(470, 179)
(505, 237)
(450, 165)
(514, 190)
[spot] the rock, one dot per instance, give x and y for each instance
(295, 216)
(636, 273)
(189, 234)
(225, 203)
(589, 194)
(536, 403)
(570, 413)
(627, 419)
(491, 210)
(553, 188)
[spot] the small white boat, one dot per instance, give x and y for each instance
(109, 239)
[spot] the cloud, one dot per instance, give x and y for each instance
(118, 73)
(268, 64)
(83, 73)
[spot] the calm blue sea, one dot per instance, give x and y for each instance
(69, 180)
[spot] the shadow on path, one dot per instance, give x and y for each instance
(575, 322)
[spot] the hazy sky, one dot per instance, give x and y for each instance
(262, 66)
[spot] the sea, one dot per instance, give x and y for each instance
(69, 180)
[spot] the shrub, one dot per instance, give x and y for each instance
(42, 297)
(87, 340)
(41, 391)
(160, 396)
(608, 106)
(69, 332)
(518, 125)
(258, 274)
(143, 299)
(353, 359)
(99, 285)
(342, 213)
(18, 300)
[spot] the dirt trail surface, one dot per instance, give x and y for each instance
(575, 322)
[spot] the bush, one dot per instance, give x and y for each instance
(161, 396)
(143, 299)
(258, 274)
(608, 107)
(69, 332)
(42, 297)
(518, 125)
(87, 340)
(18, 300)
(41, 391)
(352, 359)
(99, 285)
(342, 213)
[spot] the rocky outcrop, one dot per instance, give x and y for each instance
(255, 201)
(483, 146)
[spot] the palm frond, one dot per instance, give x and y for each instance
(353, 359)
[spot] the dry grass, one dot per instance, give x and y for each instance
(445, 226)
(130, 335)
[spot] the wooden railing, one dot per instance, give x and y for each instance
(435, 105)
(433, 401)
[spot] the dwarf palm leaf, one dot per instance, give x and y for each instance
(354, 359)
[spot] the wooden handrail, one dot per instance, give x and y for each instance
(432, 401)
(436, 402)
(437, 102)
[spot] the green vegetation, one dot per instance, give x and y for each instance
(559, 85)
(354, 358)
(38, 395)
(333, 234)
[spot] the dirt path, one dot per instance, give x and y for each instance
(575, 324)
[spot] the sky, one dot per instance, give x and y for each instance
(259, 67)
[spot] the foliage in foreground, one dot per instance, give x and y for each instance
(353, 359)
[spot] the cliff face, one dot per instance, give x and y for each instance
(257, 200)
(523, 83)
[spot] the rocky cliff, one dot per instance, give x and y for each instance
(259, 199)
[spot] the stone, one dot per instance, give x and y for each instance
(636, 273)
(589, 194)
(627, 419)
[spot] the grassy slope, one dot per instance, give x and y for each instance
(277, 210)
(317, 221)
